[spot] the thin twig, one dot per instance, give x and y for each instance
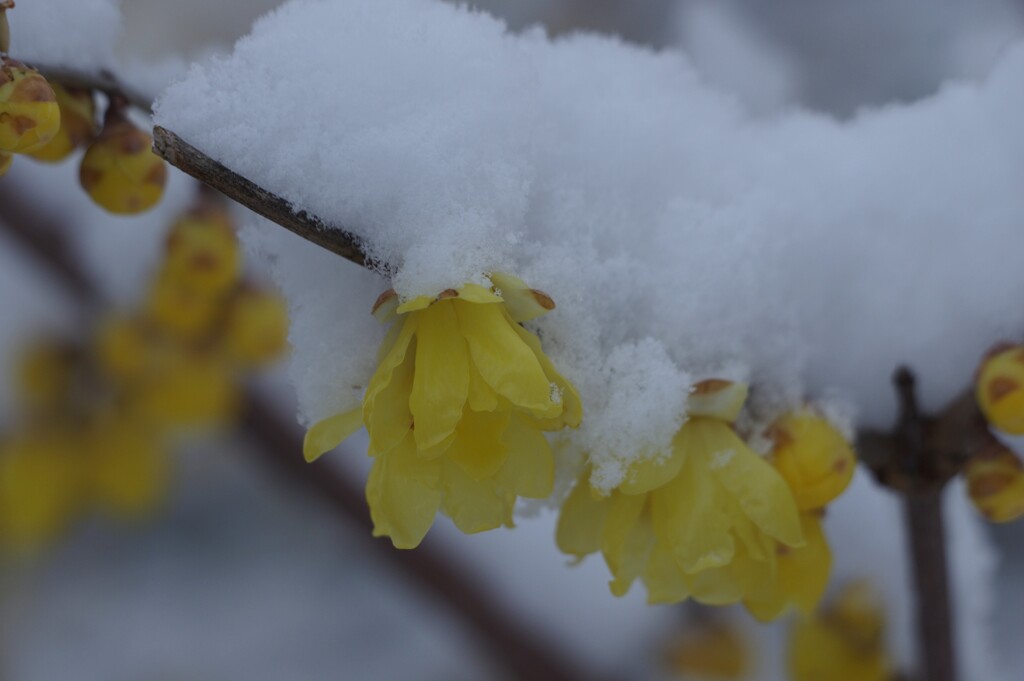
(511, 642)
(917, 460)
(194, 162)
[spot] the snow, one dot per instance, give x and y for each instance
(654, 209)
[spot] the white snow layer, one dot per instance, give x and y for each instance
(676, 231)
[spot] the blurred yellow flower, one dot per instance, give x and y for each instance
(703, 521)
(995, 483)
(1000, 389)
(712, 650)
(844, 642)
(456, 410)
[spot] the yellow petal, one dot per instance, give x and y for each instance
(572, 407)
(388, 417)
(473, 505)
(761, 492)
(652, 472)
(325, 435)
(390, 360)
(581, 521)
(474, 293)
(404, 493)
(627, 540)
(689, 514)
(481, 396)
(478, 445)
(529, 469)
(505, 362)
(665, 582)
(801, 577)
(415, 304)
(441, 384)
(522, 302)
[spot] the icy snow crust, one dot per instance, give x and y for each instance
(678, 233)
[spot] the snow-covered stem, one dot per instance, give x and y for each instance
(510, 642)
(194, 162)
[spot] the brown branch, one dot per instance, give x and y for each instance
(509, 640)
(194, 162)
(917, 460)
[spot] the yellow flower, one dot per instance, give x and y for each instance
(710, 650)
(45, 370)
(703, 521)
(814, 458)
(128, 469)
(40, 487)
(202, 249)
(5, 162)
(120, 172)
(29, 114)
(186, 389)
(77, 124)
(456, 410)
(845, 642)
(1000, 389)
(995, 483)
(256, 331)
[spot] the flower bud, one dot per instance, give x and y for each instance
(1000, 389)
(44, 374)
(181, 310)
(29, 114)
(188, 390)
(844, 642)
(120, 171)
(122, 348)
(995, 483)
(814, 458)
(77, 124)
(712, 650)
(257, 328)
(202, 249)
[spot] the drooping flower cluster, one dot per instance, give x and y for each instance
(712, 520)
(119, 170)
(456, 410)
(99, 417)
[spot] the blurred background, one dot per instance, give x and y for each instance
(222, 555)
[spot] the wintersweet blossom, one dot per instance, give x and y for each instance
(703, 521)
(844, 642)
(456, 410)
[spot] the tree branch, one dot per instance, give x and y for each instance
(192, 161)
(917, 460)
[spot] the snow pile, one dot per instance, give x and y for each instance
(656, 211)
